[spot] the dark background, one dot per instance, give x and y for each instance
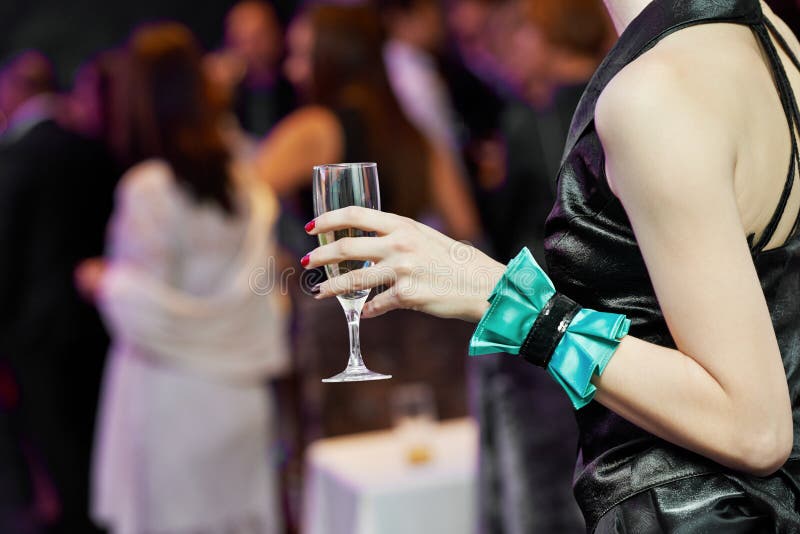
(71, 31)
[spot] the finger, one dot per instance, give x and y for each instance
(348, 248)
(383, 303)
(358, 280)
(356, 217)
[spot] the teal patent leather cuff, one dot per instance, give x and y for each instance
(585, 348)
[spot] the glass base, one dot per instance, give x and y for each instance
(356, 374)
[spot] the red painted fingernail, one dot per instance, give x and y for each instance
(310, 225)
(305, 259)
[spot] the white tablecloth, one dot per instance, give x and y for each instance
(363, 484)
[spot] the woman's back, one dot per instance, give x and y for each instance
(194, 340)
(725, 70)
(193, 344)
(194, 244)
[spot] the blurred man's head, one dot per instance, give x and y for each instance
(28, 75)
(467, 21)
(419, 23)
(298, 66)
(90, 107)
(541, 45)
(578, 27)
(252, 32)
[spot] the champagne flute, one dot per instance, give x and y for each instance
(338, 186)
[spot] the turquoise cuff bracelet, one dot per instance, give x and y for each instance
(526, 316)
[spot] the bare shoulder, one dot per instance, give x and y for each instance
(312, 121)
(661, 114)
(660, 86)
(639, 90)
(310, 133)
(695, 77)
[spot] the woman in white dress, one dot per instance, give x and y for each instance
(184, 438)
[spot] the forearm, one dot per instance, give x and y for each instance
(728, 401)
(671, 395)
(729, 413)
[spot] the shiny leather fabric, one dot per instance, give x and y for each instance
(710, 503)
(624, 473)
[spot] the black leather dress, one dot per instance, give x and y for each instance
(628, 480)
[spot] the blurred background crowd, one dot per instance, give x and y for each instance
(160, 355)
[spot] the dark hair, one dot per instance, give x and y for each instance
(349, 74)
(172, 114)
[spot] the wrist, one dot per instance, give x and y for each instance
(475, 309)
(485, 281)
(527, 317)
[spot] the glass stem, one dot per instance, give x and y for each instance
(353, 322)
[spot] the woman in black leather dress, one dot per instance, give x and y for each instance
(675, 208)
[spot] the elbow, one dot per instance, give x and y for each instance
(764, 448)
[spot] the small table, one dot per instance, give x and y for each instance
(363, 484)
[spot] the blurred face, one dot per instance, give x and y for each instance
(12, 95)
(224, 72)
(84, 104)
(26, 76)
(430, 24)
(3, 104)
(5, 97)
(298, 66)
(520, 51)
(253, 33)
(467, 20)
(422, 25)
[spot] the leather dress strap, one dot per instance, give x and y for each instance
(790, 108)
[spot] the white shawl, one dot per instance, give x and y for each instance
(233, 333)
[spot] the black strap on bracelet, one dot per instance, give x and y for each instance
(548, 329)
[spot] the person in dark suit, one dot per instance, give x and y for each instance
(55, 198)
(254, 41)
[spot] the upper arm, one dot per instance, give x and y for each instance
(140, 227)
(309, 136)
(451, 196)
(670, 161)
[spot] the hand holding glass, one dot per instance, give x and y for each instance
(338, 186)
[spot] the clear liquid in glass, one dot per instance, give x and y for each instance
(344, 267)
(338, 186)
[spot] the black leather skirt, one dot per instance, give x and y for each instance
(718, 502)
